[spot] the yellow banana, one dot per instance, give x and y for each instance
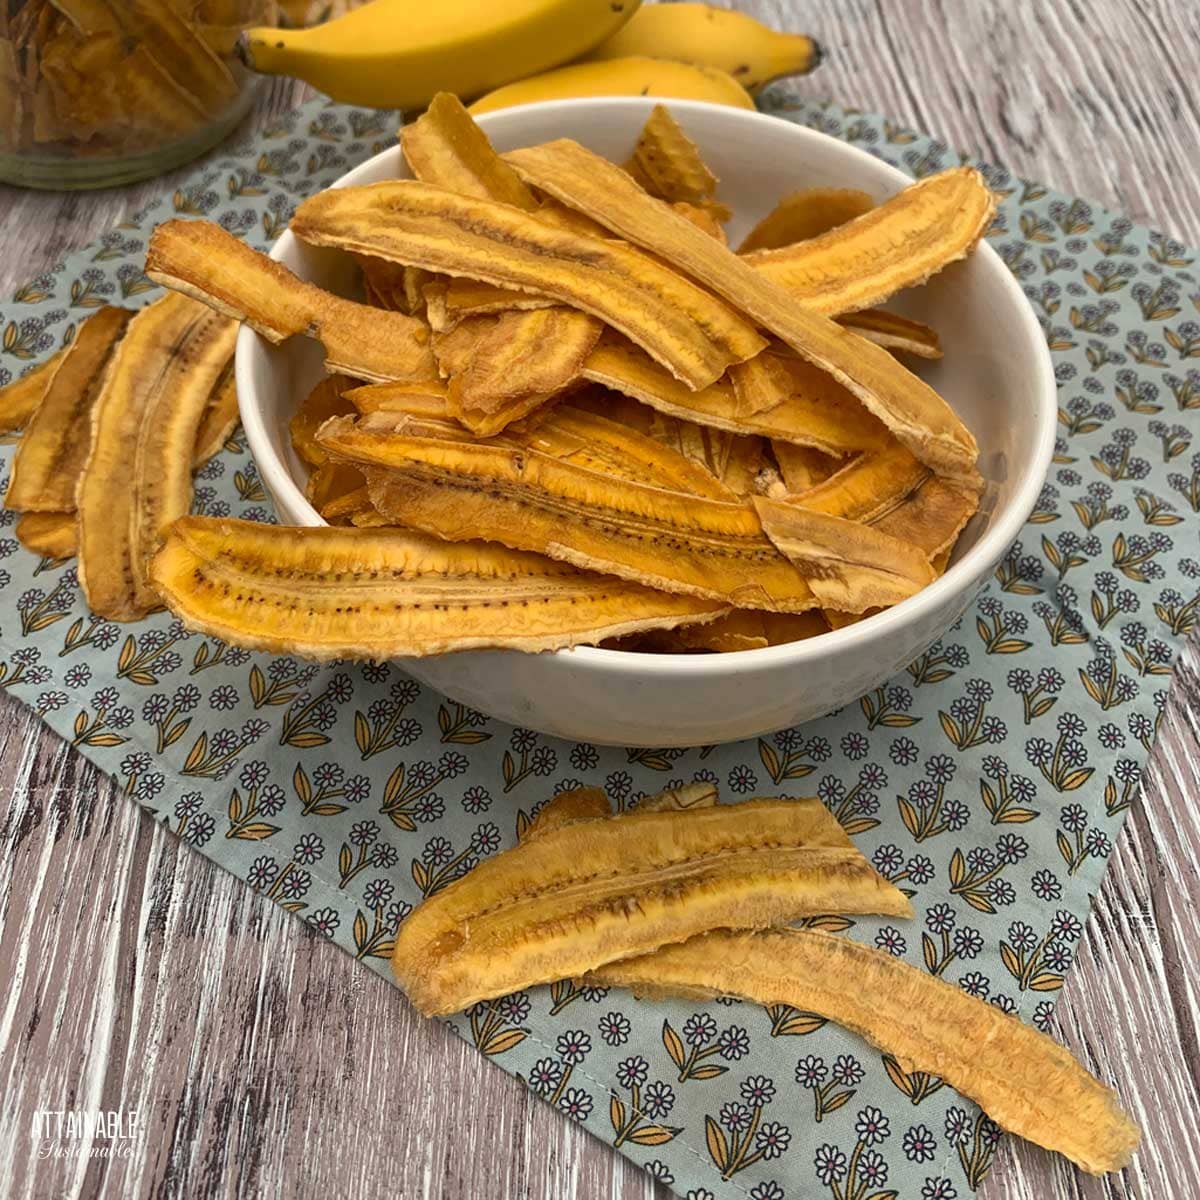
(716, 37)
(400, 53)
(621, 77)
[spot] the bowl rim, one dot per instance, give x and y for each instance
(976, 563)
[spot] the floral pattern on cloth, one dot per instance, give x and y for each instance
(988, 780)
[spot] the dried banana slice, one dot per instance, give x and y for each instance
(850, 567)
(334, 592)
(869, 486)
(425, 399)
(469, 297)
(593, 891)
(175, 46)
(686, 798)
(890, 490)
(902, 242)
(524, 356)
(138, 474)
(1025, 1082)
(49, 457)
(741, 629)
(201, 260)
(932, 517)
(348, 505)
(579, 804)
(50, 534)
(596, 443)
(914, 412)
(521, 354)
(693, 333)
(893, 332)
(531, 501)
(805, 214)
(704, 218)
(390, 286)
(582, 438)
(19, 399)
(802, 467)
(331, 484)
(667, 163)
(327, 399)
(791, 627)
(219, 419)
(760, 384)
(444, 146)
(820, 413)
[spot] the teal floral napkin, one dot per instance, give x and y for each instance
(989, 779)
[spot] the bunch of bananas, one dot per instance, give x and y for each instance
(399, 53)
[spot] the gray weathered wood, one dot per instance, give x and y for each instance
(267, 1063)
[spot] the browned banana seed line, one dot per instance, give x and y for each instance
(847, 862)
(646, 530)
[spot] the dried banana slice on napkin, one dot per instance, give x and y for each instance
(1025, 1082)
(575, 897)
(137, 477)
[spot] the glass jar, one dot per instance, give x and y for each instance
(95, 93)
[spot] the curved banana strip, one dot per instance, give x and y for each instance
(819, 413)
(50, 534)
(46, 466)
(849, 566)
(531, 501)
(805, 214)
(334, 592)
(19, 400)
(581, 895)
(901, 243)
(1025, 1082)
(138, 474)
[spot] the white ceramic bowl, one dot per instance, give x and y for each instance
(996, 373)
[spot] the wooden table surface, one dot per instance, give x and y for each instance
(139, 975)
